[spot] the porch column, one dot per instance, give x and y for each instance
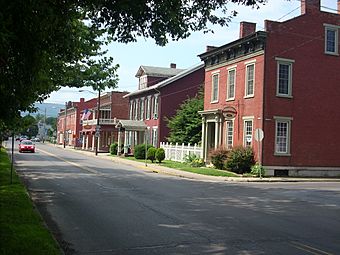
(204, 141)
(220, 132)
(87, 141)
(93, 142)
(119, 142)
(83, 143)
(217, 128)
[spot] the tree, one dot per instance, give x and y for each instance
(186, 125)
(46, 45)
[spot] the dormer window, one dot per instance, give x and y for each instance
(143, 81)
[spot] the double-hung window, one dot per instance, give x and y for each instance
(148, 107)
(250, 80)
(230, 133)
(282, 135)
(231, 84)
(141, 109)
(155, 107)
(331, 39)
(247, 131)
(284, 77)
(215, 84)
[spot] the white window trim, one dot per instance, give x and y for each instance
(289, 121)
(217, 73)
(288, 62)
(244, 130)
(226, 133)
(249, 63)
(228, 91)
(148, 109)
(336, 29)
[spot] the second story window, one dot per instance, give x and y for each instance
(284, 77)
(141, 109)
(250, 80)
(231, 84)
(215, 84)
(331, 39)
(136, 109)
(155, 107)
(148, 107)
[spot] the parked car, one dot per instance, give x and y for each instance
(36, 139)
(26, 145)
(23, 137)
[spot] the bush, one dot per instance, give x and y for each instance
(113, 148)
(151, 154)
(193, 160)
(160, 155)
(240, 160)
(218, 157)
(257, 169)
(139, 151)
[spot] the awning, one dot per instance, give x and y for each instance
(131, 125)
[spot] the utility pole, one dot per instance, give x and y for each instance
(97, 134)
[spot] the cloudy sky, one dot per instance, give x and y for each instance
(184, 52)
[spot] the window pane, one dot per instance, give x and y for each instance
(330, 40)
(231, 84)
(248, 132)
(230, 132)
(250, 80)
(215, 87)
(282, 137)
(284, 70)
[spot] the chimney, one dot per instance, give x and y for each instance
(172, 65)
(339, 7)
(247, 28)
(308, 6)
(82, 100)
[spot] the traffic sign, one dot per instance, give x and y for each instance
(259, 134)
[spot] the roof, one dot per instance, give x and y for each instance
(157, 71)
(131, 125)
(167, 81)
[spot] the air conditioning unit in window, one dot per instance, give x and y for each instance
(155, 116)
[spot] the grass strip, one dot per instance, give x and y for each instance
(188, 168)
(22, 230)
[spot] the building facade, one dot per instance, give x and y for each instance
(284, 81)
(160, 93)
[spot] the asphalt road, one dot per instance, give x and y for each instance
(96, 206)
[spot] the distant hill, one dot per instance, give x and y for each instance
(52, 110)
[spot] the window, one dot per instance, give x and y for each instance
(247, 132)
(155, 136)
(155, 107)
(141, 109)
(331, 39)
(148, 107)
(143, 81)
(284, 77)
(230, 133)
(282, 136)
(250, 80)
(131, 110)
(231, 84)
(214, 93)
(136, 109)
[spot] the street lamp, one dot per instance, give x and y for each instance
(97, 134)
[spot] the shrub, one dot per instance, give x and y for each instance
(193, 160)
(151, 154)
(257, 169)
(160, 155)
(218, 157)
(139, 151)
(113, 148)
(240, 160)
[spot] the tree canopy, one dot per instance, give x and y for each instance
(186, 125)
(46, 45)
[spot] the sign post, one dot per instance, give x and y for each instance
(259, 135)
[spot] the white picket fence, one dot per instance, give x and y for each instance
(177, 152)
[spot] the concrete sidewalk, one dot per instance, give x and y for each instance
(156, 168)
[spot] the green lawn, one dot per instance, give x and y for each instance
(188, 168)
(21, 228)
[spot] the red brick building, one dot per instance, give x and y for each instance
(284, 80)
(160, 92)
(112, 107)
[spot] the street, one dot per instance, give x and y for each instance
(96, 206)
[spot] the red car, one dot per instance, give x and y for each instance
(26, 145)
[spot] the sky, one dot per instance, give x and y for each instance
(184, 52)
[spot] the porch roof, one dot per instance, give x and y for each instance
(132, 125)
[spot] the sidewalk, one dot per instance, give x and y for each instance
(156, 168)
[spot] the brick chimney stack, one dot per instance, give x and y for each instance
(308, 6)
(172, 65)
(247, 28)
(339, 7)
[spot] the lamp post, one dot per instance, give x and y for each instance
(97, 134)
